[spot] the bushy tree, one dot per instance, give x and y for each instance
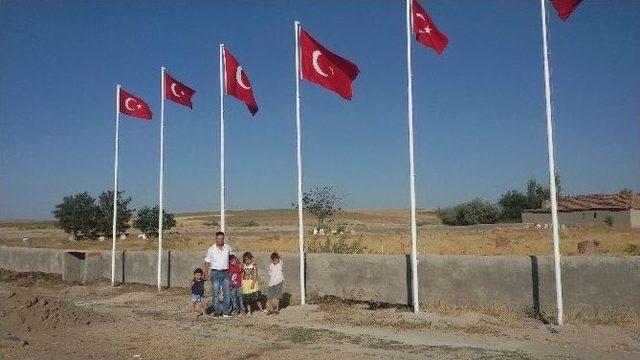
(147, 220)
(78, 215)
(512, 203)
(105, 217)
(536, 194)
(322, 202)
(476, 211)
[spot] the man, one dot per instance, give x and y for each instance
(216, 263)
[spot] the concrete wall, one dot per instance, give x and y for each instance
(26, 260)
(142, 267)
(381, 278)
(624, 219)
(483, 280)
(634, 218)
(106, 265)
(82, 267)
(590, 283)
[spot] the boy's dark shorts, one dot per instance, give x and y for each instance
(252, 297)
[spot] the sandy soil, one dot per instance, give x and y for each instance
(43, 318)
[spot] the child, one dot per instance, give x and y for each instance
(250, 289)
(235, 280)
(197, 292)
(276, 280)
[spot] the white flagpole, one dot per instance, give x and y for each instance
(115, 190)
(160, 210)
(222, 84)
(412, 186)
(296, 27)
(552, 172)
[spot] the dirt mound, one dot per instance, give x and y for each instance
(29, 278)
(24, 312)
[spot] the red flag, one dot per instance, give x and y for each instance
(237, 82)
(565, 7)
(426, 30)
(325, 68)
(134, 106)
(177, 91)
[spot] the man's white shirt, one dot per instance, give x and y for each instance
(218, 258)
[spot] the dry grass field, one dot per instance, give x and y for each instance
(368, 231)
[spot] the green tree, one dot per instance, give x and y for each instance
(536, 194)
(147, 220)
(322, 202)
(105, 216)
(512, 203)
(78, 215)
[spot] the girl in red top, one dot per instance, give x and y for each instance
(236, 271)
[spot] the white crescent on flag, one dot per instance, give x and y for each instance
(426, 29)
(126, 104)
(239, 78)
(173, 90)
(316, 54)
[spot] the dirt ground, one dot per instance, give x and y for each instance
(375, 231)
(44, 318)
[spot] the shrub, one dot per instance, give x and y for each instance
(78, 215)
(340, 246)
(477, 211)
(632, 249)
(447, 215)
(243, 223)
(608, 220)
(147, 220)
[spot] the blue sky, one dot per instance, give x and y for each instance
(479, 108)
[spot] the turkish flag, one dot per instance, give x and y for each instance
(237, 82)
(176, 91)
(133, 106)
(426, 30)
(565, 7)
(325, 68)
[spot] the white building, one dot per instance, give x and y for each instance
(622, 210)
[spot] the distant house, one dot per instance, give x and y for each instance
(623, 210)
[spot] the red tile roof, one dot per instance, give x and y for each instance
(595, 202)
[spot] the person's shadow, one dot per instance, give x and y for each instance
(285, 301)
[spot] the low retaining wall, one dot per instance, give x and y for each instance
(27, 260)
(589, 283)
